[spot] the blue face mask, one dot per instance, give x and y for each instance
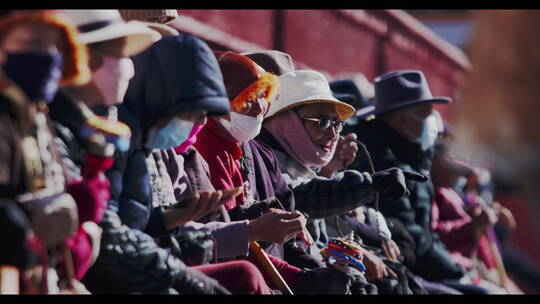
(172, 135)
(37, 74)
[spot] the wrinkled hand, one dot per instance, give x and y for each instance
(279, 226)
(483, 217)
(198, 206)
(391, 251)
(344, 156)
(391, 182)
(194, 282)
(55, 221)
(73, 287)
(94, 232)
(375, 268)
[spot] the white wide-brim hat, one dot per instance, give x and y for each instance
(104, 25)
(306, 87)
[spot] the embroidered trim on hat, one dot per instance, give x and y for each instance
(344, 111)
(267, 83)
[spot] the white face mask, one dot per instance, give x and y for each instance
(243, 127)
(112, 79)
(430, 131)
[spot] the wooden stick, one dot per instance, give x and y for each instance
(70, 269)
(503, 276)
(501, 271)
(269, 268)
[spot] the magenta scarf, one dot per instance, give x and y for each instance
(289, 131)
(182, 148)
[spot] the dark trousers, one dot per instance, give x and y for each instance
(465, 288)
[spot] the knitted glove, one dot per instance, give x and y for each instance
(390, 183)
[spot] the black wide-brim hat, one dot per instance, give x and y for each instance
(400, 89)
(347, 91)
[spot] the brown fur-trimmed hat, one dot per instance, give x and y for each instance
(244, 79)
(162, 16)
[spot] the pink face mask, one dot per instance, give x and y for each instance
(191, 139)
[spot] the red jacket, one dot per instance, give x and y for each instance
(453, 225)
(225, 170)
(91, 194)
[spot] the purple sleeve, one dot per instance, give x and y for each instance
(453, 224)
(231, 238)
(367, 233)
(175, 168)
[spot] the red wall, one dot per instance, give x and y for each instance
(335, 42)
(371, 42)
(324, 40)
(256, 26)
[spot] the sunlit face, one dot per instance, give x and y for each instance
(31, 37)
(255, 107)
(112, 79)
(324, 140)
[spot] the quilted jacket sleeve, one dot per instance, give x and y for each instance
(131, 262)
(321, 197)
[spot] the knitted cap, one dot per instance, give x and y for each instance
(244, 79)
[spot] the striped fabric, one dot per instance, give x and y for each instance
(151, 15)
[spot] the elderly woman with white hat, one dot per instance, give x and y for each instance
(303, 127)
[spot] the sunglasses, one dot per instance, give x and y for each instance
(325, 123)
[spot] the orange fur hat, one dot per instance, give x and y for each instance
(244, 79)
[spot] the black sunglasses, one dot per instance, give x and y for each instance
(325, 123)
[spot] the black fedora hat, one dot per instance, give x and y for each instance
(347, 91)
(404, 88)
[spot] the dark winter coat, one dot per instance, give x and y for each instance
(157, 90)
(176, 74)
(389, 149)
